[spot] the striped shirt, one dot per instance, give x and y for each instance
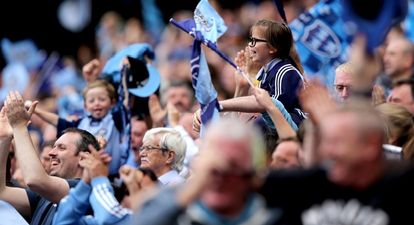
(283, 81)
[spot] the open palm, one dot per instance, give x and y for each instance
(6, 131)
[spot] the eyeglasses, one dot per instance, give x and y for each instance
(253, 41)
(151, 148)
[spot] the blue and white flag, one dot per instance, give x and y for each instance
(206, 28)
(205, 92)
(321, 40)
(408, 24)
(323, 34)
(209, 26)
(208, 21)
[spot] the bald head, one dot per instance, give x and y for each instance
(399, 58)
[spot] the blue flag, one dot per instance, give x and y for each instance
(408, 24)
(323, 34)
(321, 39)
(209, 26)
(208, 21)
(206, 28)
(205, 93)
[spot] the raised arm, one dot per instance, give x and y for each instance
(245, 63)
(242, 104)
(91, 70)
(283, 128)
(106, 209)
(171, 202)
(50, 187)
(15, 196)
(49, 117)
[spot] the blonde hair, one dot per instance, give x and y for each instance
(346, 68)
(401, 126)
(100, 83)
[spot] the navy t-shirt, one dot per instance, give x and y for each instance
(309, 197)
(43, 210)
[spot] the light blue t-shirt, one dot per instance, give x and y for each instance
(9, 215)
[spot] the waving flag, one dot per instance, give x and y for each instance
(323, 34)
(408, 24)
(321, 39)
(206, 28)
(211, 26)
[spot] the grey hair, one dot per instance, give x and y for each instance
(235, 129)
(169, 139)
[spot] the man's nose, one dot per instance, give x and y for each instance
(53, 152)
(345, 92)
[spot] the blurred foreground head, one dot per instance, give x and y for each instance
(240, 149)
(351, 144)
(242, 143)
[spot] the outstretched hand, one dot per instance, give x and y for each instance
(316, 101)
(15, 109)
(6, 131)
(91, 70)
(197, 121)
(263, 98)
(244, 61)
(95, 164)
(157, 113)
(131, 178)
(173, 115)
(367, 67)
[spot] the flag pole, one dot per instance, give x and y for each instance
(213, 47)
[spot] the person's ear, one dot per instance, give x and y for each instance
(170, 157)
(371, 150)
(272, 51)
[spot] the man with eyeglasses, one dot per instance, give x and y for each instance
(163, 152)
(221, 188)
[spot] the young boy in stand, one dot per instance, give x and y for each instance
(104, 120)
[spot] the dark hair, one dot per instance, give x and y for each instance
(178, 83)
(409, 81)
(85, 140)
(45, 144)
(149, 172)
(279, 36)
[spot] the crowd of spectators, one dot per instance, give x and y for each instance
(286, 150)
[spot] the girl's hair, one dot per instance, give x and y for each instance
(101, 83)
(401, 126)
(279, 36)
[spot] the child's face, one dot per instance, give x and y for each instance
(97, 102)
(261, 52)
